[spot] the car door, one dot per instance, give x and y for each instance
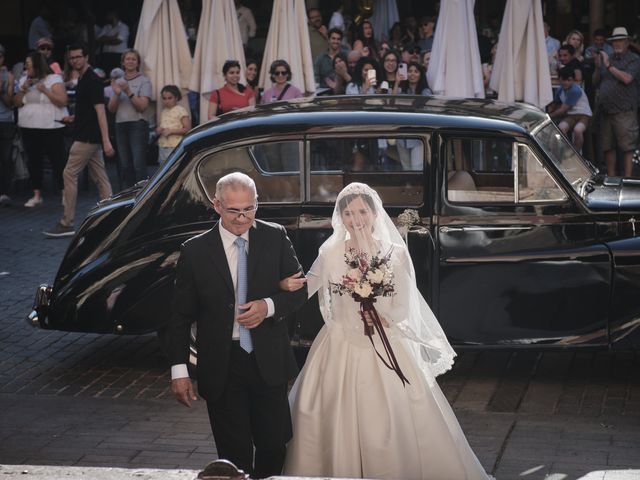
(391, 164)
(519, 258)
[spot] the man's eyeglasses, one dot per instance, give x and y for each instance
(280, 72)
(76, 57)
(45, 48)
(248, 211)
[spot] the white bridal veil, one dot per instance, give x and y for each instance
(359, 211)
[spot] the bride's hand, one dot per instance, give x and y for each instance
(293, 283)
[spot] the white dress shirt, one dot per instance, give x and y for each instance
(121, 30)
(231, 252)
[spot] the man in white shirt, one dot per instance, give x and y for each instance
(114, 40)
(552, 45)
(246, 22)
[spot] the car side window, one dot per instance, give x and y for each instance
(534, 182)
(483, 171)
(393, 166)
(274, 166)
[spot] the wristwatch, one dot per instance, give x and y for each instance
(609, 67)
(132, 95)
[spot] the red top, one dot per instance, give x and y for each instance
(231, 99)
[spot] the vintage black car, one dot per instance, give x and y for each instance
(516, 240)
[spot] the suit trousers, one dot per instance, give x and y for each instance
(247, 410)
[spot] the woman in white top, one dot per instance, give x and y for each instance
(41, 99)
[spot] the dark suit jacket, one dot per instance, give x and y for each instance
(204, 294)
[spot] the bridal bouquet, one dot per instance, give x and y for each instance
(367, 278)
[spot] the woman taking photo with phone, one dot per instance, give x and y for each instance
(41, 100)
(416, 82)
(390, 63)
(365, 77)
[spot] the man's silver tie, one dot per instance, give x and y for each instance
(245, 334)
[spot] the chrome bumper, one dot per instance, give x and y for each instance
(40, 306)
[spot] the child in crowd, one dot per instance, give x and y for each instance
(174, 122)
(572, 110)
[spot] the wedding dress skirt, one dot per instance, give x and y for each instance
(353, 418)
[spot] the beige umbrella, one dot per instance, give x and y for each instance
(218, 40)
(288, 39)
(454, 68)
(521, 68)
(162, 42)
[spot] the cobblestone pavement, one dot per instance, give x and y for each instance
(103, 401)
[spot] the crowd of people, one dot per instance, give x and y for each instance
(596, 89)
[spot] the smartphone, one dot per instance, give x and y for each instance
(402, 70)
(371, 76)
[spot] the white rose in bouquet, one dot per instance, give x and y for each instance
(363, 289)
(375, 276)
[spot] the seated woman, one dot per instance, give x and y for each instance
(365, 40)
(232, 95)
(282, 89)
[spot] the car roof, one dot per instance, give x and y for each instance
(349, 110)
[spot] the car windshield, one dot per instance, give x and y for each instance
(573, 167)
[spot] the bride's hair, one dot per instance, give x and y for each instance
(345, 200)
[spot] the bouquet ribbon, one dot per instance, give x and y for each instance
(366, 306)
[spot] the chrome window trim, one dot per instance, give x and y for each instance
(546, 170)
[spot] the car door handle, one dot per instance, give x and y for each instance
(474, 228)
(420, 231)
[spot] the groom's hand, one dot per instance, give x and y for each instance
(254, 313)
(182, 389)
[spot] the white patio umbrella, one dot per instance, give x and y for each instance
(521, 68)
(454, 68)
(288, 39)
(218, 40)
(385, 14)
(162, 43)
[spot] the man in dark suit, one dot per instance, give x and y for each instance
(244, 356)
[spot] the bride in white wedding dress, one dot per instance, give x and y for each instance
(363, 406)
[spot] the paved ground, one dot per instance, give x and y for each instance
(88, 401)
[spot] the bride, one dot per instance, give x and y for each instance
(368, 405)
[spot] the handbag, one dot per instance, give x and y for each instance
(219, 108)
(284, 90)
